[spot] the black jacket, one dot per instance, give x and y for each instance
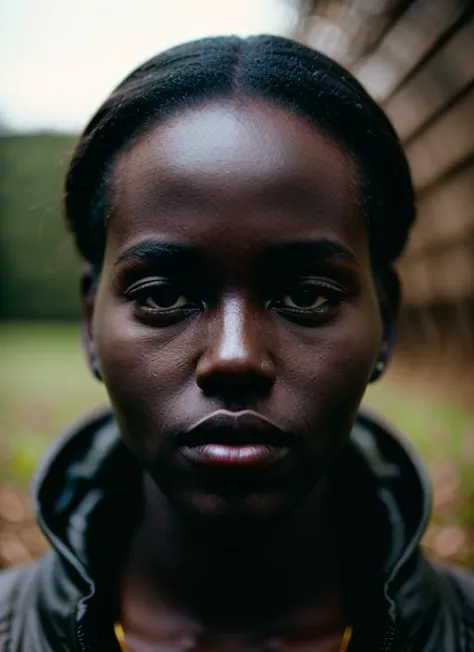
(87, 498)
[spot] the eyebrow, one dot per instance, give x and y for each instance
(160, 252)
(178, 255)
(316, 250)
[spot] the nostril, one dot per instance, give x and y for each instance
(234, 390)
(236, 384)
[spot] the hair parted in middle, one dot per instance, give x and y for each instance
(267, 67)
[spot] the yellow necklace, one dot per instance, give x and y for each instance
(118, 629)
(120, 636)
(346, 639)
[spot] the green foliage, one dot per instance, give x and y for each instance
(37, 264)
(44, 385)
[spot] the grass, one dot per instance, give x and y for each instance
(45, 384)
(438, 427)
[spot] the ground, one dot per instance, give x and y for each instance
(44, 385)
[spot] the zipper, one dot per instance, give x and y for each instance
(80, 638)
(388, 640)
(81, 644)
(77, 631)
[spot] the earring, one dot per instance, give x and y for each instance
(378, 370)
(96, 369)
(380, 366)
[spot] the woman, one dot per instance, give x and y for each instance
(240, 204)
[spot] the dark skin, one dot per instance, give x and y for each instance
(236, 276)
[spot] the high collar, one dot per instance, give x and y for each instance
(87, 496)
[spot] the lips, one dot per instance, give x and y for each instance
(235, 439)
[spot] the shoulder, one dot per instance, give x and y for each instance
(457, 582)
(456, 589)
(15, 598)
(12, 583)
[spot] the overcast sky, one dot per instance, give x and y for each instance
(60, 58)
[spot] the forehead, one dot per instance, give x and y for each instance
(234, 169)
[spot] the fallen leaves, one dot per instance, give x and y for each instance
(20, 537)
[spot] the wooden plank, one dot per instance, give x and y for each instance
(445, 75)
(445, 216)
(406, 43)
(443, 145)
(448, 276)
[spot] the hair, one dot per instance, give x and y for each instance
(274, 68)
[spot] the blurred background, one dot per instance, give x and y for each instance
(59, 59)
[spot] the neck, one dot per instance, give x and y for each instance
(234, 568)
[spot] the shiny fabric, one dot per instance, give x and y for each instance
(87, 497)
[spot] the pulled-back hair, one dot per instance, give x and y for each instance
(267, 67)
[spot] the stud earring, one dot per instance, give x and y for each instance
(380, 366)
(377, 370)
(96, 369)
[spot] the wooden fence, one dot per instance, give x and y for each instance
(416, 57)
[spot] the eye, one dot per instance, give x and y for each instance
(308, 297)
(305, 297)
(159, 297)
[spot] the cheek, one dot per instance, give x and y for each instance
(353, 350)
(143, 368)
(335, 367)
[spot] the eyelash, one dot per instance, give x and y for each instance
(140, 291)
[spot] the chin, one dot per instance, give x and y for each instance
(252, 508)
(237, 505)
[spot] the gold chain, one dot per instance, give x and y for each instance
(346, 639)
(120, 636)
(118, 629)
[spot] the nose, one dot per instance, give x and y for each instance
(235, 364)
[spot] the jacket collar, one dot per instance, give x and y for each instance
(403, 500)
(89, 479)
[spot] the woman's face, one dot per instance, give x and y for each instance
(236, 321)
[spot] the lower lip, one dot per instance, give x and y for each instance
(234, 456)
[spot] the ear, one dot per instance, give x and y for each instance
(88, 289)
(388, 293)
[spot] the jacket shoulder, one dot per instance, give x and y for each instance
(11, 582)
(14, 587)
(457, 591)
(458, 581)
